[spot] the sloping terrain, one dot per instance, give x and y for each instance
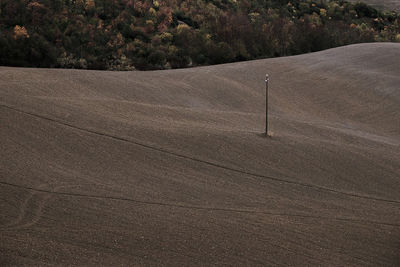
(171, 167)
(382, 4)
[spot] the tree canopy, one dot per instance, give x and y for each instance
(145, 34)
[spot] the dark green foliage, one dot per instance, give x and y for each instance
(144, 34)
(364, 10)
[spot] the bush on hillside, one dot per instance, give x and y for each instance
(150, 34)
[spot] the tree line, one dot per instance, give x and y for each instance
(156, 34)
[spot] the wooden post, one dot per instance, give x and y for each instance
(266, 104)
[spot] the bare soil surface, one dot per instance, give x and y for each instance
(382, 4)
(171, 167)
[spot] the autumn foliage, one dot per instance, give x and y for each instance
(143, 34)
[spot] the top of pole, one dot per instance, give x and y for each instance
(266, 78)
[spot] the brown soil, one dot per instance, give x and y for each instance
(382, 4)
(171, 167)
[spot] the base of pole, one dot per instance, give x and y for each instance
(269, 134)
(265, 135)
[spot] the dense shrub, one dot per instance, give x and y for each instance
(151, 34)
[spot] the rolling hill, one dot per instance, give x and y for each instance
(383, 4)
(172, 168)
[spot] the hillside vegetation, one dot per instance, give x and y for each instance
(129, 34)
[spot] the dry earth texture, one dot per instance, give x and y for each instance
(382, 4)
(171, 168)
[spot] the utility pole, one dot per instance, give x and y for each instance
(266, 104)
